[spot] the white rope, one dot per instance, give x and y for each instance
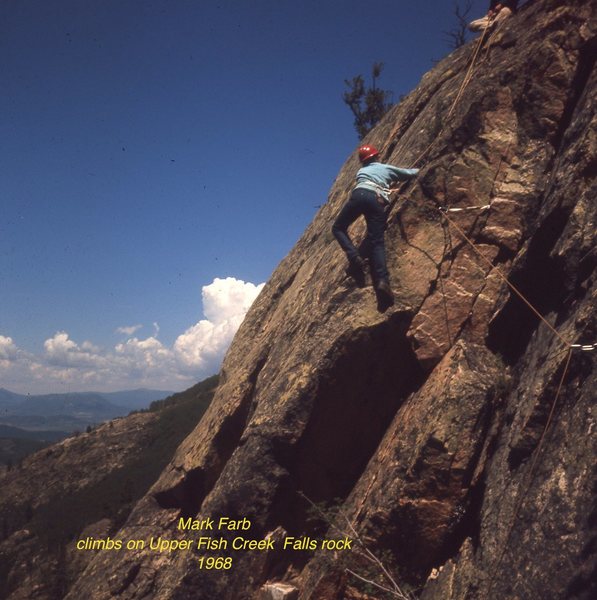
(585, 347)
(465, 208)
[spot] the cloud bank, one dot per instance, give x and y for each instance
(195, 354)
(128, 329)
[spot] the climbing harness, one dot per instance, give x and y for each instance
(375, 187)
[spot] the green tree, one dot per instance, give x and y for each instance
(368, 105)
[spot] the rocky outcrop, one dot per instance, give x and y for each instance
(455, 430)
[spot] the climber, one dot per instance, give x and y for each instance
(370, 197)
(498, 12)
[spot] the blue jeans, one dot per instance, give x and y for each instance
(364, 202)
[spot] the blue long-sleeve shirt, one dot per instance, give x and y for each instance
(379, 177)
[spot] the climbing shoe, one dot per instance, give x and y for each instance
(356, 270)
(385, 296)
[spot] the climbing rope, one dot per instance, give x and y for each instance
(492, 38)
(569, 348)
(584, 347)
(467, 208)
(522, 496)
(463, 85)
(466, 80)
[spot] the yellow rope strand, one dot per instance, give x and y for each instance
(505, 279)
(524, 491)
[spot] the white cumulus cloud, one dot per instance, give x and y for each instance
(225, 299)
(202, 347)
(61, 351)
(8, 349)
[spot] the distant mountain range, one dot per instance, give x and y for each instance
(71, 411)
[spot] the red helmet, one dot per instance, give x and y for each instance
(367, 152)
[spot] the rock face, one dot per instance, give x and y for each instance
(456, 429)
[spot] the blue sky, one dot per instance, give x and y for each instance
(160, 158)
